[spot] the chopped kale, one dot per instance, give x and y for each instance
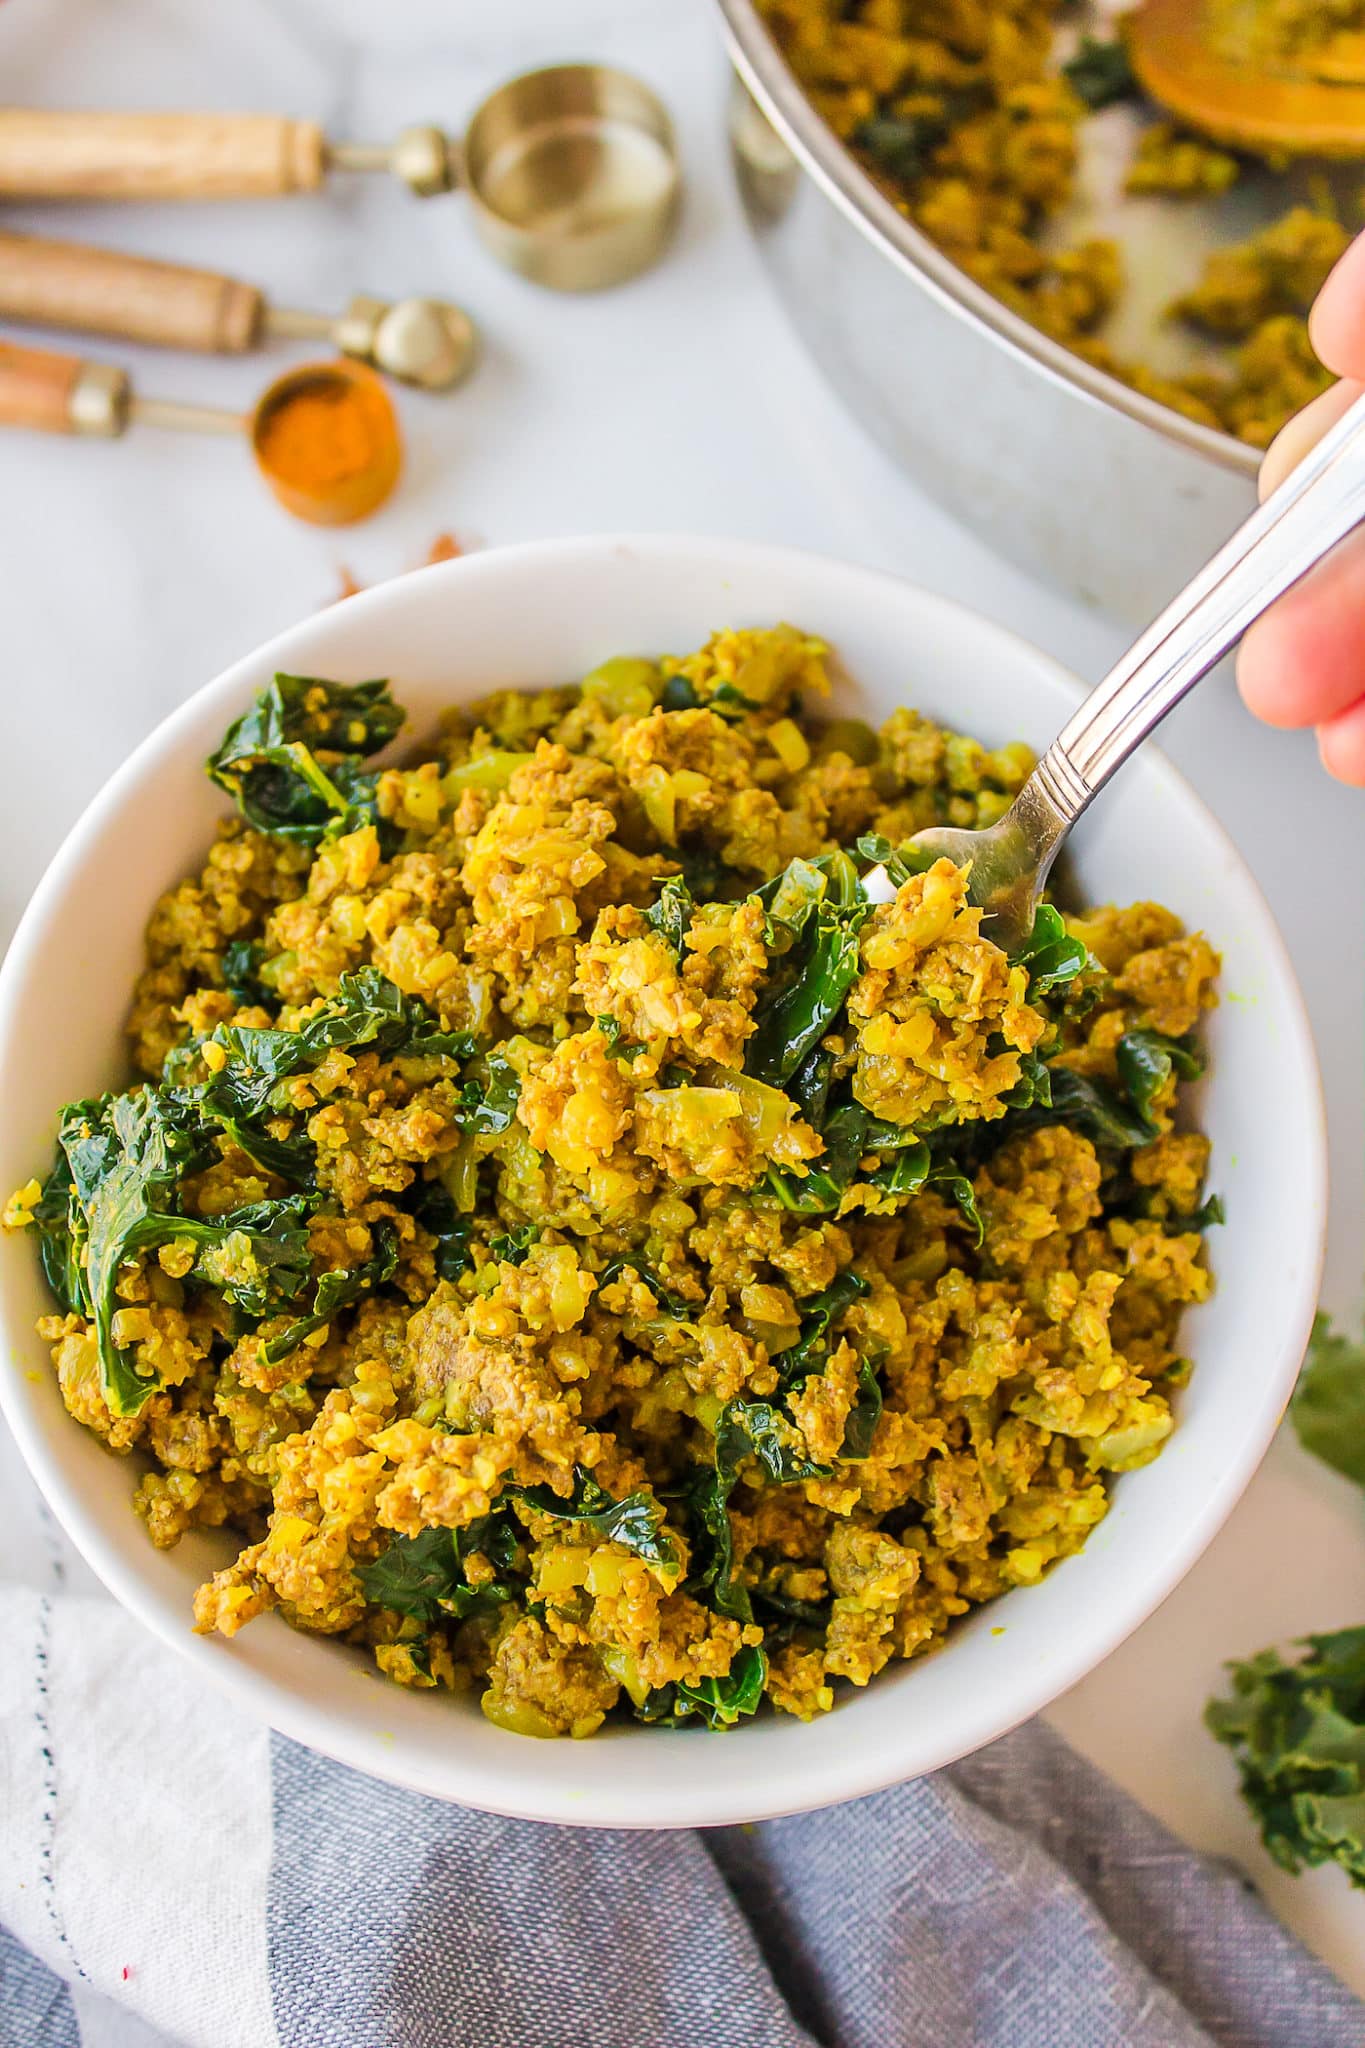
(715, 1702)
(1328, 1408)
(338, 1290)
(1100, 73)
(292, 763)
(435, 1210)
(511, 1248)
(423, 1576)
(636, 1522)
(1050, 955)
(1297, 1731)
(671, 916)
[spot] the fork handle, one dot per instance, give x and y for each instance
(1317, 505)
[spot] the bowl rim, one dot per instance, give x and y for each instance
(763, 69)
(685, 1800)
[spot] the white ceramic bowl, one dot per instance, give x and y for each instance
(540, 614)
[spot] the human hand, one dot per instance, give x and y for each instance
(1303, 663)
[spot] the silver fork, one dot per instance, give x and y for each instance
(1317, 505)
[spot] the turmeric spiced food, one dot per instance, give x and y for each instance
(583, 1249)
(967, 116)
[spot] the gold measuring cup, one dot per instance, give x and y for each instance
(61, 394)
(425, 342)
(571, 173)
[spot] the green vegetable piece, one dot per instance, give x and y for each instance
(1100, 74)
(679, 695)
(367, 1009)
(811, 1349)
(1086, 1104)
(864, 1415)
(257, 1257)
(438, 1215)
(511, 1249)
(241, 972)
(269, 760)
(900, 862)
(715, 1702)
(625, 687)
(1328, 1406)
(336, 1291)
(1051, 956)
(490, 771)
(903, 147)
(1146, 1060)
(1298, 1734)
(492, 1103)
(126, 1155)
(791, 1024)
(670, 1304)
(671, 916)
(762, 1430)
(424, 1575)
(712, 1545)
(61, 1238)
(637, 1522)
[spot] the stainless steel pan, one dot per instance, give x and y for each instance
(1102, 491)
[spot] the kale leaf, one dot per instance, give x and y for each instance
(511, 1248)
(706, 1505)
(1146, 1060)
(338, 1290)
(715, 1702)
(814, 913)
(671, 916)
(672, 1305)
(435, 1210)
(762, 1430)
(367, 1010)
(636, 1522)
(902, 146)
(241, 971)
(811, 1349)
(489, 1105)
(125, 1156)
(900, 862)
(1328, 1407)
(1050, 955)
(61, 1238)
(1100, 74)
(257, 1257)
(423, 1576)
(1298, 1734)
(269, 762)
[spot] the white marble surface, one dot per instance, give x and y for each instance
(131, 572)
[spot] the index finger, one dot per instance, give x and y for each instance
(1336, 325)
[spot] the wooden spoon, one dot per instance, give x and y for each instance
(1315, 106)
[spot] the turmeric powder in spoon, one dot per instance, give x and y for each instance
(326, 440)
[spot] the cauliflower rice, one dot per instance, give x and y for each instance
(578, 1246)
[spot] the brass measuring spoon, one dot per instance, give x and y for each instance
(425, 342)
(61, 394)
(1312, 106)
(571, 173)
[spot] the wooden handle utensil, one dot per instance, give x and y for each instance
(156, 156)
(571, 172)
(64, 284)
(427, 342)
(57, 394)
